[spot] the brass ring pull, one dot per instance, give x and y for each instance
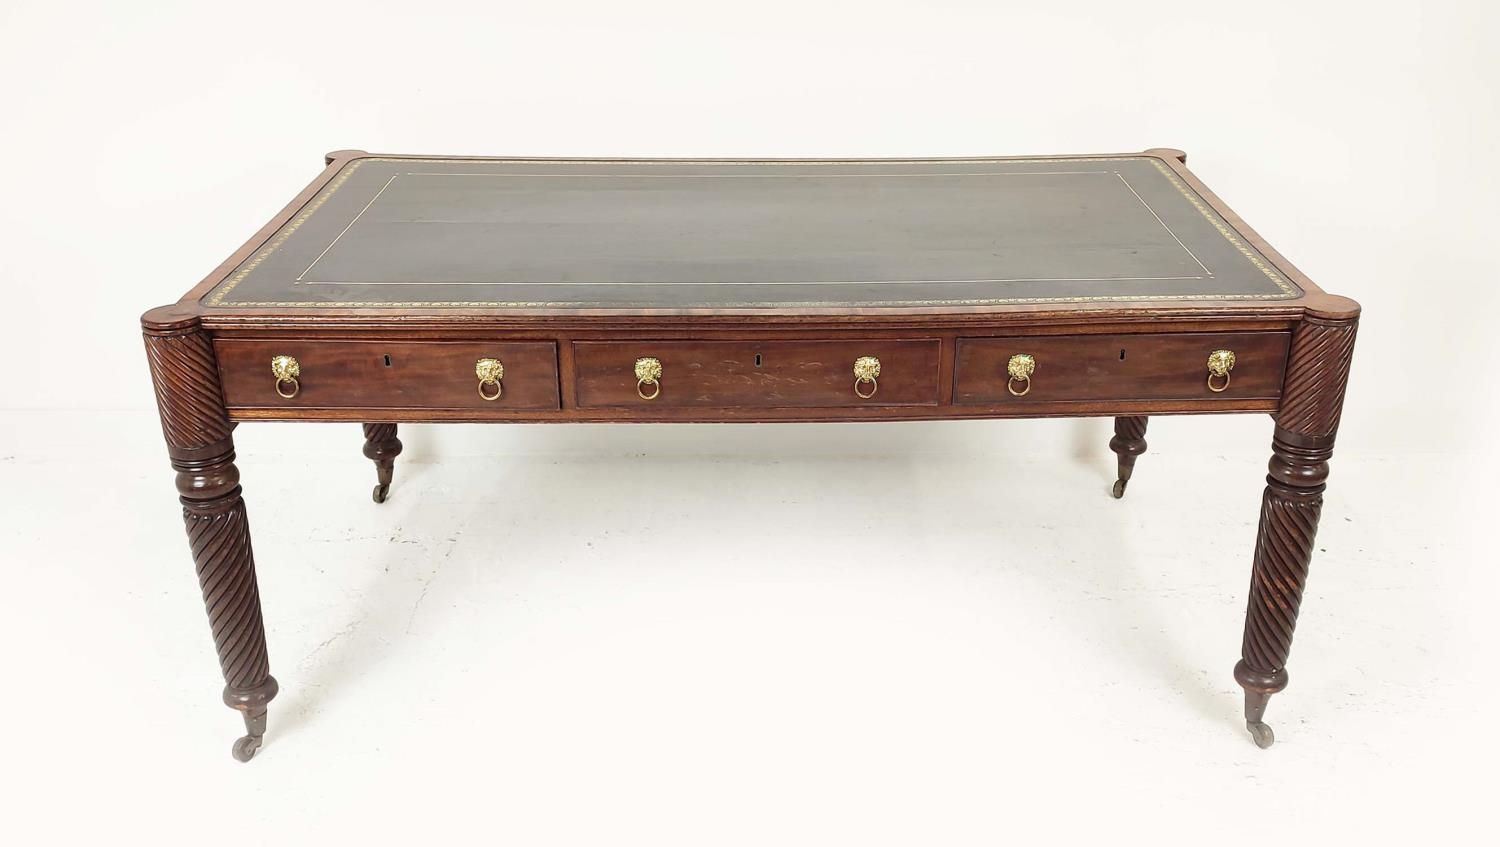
(1020, 368)
(866, 370)
(286, 370)
(648, 374)
(1220, 363)
(489, 372)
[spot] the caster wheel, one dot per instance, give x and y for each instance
(1119, 489)
(1261, 733)
(245, 747)
(378, 495)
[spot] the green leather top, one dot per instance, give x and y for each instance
(500, 233)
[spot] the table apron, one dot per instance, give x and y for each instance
(748, 377)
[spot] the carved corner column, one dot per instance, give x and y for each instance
(1129, 443)
(1312, 400)
(382, 447)
(199, 442)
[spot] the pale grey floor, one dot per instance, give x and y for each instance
(639, 646)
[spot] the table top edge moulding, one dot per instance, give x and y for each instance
(400, 289)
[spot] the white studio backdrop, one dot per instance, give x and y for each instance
(961, 636)
(144, 141)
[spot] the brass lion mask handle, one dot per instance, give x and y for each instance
(866, 372)
(287, 371)
(489, 372)
(1020, 367)
(648, 375)
(1220, 363)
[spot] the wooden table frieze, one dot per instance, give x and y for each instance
(400, 289)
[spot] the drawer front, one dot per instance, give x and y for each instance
(1119, 367)
(388, 375)
(774, 374)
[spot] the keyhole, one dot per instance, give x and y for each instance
(388, 360)
(757, 360)
(1122, 356)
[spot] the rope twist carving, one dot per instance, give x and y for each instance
(1283, 550)
(1131, 428)
(1317, 374)
(185, 376)
(220, 541)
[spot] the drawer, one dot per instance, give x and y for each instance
(1119, 367)
(388, 375)
(768, 374)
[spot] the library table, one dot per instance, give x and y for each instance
(400, 289)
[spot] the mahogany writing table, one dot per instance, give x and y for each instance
(405, 288)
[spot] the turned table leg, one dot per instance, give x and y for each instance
(1312, 399)
(1128, 443)
(382, 446)
(201, 448)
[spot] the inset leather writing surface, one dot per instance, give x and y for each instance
(684, 234)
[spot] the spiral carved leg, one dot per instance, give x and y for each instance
(1312, 400)
(1290, 509)
(198, 434)
(1129, 443)
(219, 535)
(382, 446)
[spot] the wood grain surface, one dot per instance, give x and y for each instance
(1121, 367)
(769, 374)
(388, 375)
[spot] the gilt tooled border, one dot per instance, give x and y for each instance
(218, 294)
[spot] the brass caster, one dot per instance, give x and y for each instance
(1261, 733)
(245, 747)
(1119, 489)
(380, 492)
